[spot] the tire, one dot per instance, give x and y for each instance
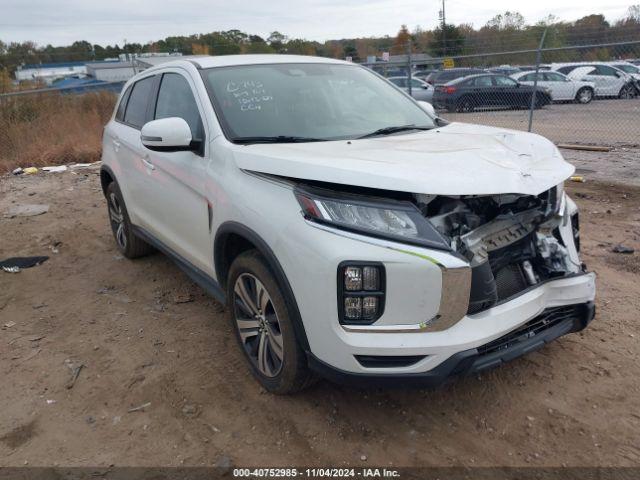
(261, 319)
(465, 105)
(542, 100)
(584, 95)
(127, 242)
(626, 92)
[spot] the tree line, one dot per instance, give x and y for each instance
(504, 32)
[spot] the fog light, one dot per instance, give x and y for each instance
(352, 308)
(361, 292)
(353, 278)
(371, 278)
(369, 307)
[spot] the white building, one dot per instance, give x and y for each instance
(111, 71)
(48, 72)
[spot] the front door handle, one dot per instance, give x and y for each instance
(116, 144)
(148, 164)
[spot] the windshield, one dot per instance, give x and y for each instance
(627, 68)
(307, 101)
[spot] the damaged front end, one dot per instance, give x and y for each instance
(512, 242)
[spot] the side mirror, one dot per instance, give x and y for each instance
(167, 135)
(427, 107)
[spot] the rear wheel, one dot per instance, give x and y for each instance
(465, 105)
(263, 326)
(128, 243)
(584, 95)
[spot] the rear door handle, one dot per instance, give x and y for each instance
(148, 164)
(116, 144)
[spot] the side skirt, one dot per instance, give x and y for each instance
(207, 283)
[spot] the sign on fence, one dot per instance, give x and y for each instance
(448, 63)
(385, 56)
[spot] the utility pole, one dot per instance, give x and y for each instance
(444, 33)
(534, 94)
(409, 66)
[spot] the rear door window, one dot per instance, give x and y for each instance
(482, 82)
(553, 77)
(136, 113)
(123, 105)
(606, 71)
(504, 81)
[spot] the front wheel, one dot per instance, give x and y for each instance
(584, 95)
(627, 92)
(263, 326)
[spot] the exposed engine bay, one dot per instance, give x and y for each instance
(511, 241)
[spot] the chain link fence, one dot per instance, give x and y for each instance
(583, 94)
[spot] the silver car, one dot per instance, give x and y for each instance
(420, 90)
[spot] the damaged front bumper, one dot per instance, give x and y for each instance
(549, 325)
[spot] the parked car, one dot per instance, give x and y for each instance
(441, 77)
(609, 81)
(350, 232)
(420, 90)
(423, 74)
(487, 90)
(562, 88)
(628, 68)
(505, 70)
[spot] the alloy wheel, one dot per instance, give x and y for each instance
(258, 324)
(117, 221)
(626, 92)
(585, 96)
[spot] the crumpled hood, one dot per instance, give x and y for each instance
(458, 159)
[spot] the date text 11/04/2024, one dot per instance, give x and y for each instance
(315, 473)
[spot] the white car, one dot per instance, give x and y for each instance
(628, 68)
(609, 81)
(350, 232)
(420, 90)
(562, 88)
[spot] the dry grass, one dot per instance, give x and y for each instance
(52, 129)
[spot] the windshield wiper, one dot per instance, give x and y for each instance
(394, 129)
(276, 139)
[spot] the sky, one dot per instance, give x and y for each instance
(60, 22)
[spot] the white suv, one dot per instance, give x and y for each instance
(349, 231)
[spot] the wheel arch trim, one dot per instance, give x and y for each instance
(235, 228)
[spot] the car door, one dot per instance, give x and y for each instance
(612, 79)
(561, 87)
(605, 79)
(181, 215)
(421, 90)
(485, 92)
(134, 180)
(509, 92)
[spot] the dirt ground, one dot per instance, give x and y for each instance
(148, 336)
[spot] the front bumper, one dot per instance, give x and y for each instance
(551, 324)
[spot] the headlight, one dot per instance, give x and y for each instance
(395, 220)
